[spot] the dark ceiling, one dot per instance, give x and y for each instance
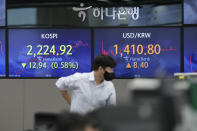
(26, 3)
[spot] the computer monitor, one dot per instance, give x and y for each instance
(140, 52)
(2, 12)
(190, 49)
(2, 53)
(49, 52)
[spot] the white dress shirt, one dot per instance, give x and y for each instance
(86, 95)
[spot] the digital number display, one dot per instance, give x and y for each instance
(49, 52)
(140, 52)
(2, 53)
(190, 49)
(2, 12)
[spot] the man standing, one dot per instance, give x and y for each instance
(90, 90)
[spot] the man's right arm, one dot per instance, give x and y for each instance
(65, 83)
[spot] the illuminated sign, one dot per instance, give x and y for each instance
(2, 53)
(120, 13)
(190, 12)
(49, 52)
(141, 52)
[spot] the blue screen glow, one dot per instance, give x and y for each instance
(2, 53)
(190, 49)
(140, 52)
(49, 52)
(2, 12)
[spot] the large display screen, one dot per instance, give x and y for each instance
(2, 12)
(2, 53)
(140, 52)
(190, 49)
(49, 52)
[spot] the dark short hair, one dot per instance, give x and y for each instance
(72, 122)
(104, 61)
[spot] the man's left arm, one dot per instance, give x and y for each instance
(112, 98)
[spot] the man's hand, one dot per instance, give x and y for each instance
(66, 96)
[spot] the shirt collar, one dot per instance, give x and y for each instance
(91, 78)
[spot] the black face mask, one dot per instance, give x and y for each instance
(109, 76)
